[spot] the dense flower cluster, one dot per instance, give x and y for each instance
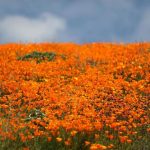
(96, 95)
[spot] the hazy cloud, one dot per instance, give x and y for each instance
(87, 20)
(142, 29)
(46, 27)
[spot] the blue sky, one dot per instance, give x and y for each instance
(78, 21)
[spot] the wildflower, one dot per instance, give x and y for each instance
(110, 146)
(97, 147)
(73, 133)
(87, 143)
(68, 142)
(106, 132)
(123, 139)
(148, 130)
(129, 141)
(97, 136)
(110, 136)
(49, 139)
(23, 138)
(59, 139)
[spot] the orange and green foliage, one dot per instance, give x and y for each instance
(67, 96)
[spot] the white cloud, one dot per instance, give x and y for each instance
(46, 27)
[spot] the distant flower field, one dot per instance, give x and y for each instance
(64, 96)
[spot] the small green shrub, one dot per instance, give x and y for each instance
(40, 56)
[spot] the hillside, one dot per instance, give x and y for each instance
(68, 96)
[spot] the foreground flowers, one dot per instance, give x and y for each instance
(92, 96)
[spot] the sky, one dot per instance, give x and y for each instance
(78, 21)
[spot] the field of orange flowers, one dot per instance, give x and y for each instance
(66, 96)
